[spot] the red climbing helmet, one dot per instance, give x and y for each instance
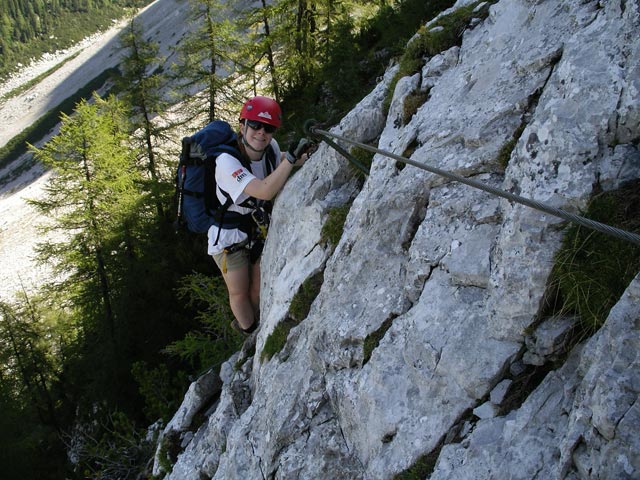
(262, 109)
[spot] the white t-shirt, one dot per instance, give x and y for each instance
(232, 177)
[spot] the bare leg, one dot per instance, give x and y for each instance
(238, 283)
(254, 291)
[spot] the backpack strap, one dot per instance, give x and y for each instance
(222, 218)
(245, 222)
(270, 165)
(271, 159)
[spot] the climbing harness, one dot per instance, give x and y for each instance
(312, 129)
(261, 218)
(256, 235)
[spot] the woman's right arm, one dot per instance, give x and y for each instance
(267, 188)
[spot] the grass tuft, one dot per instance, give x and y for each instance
(421, 469)
(593, 269)
(307, 293)
(364, 158)
(441, 35)
(277, 339)
(412, 103)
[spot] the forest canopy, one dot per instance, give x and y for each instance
(30, 27)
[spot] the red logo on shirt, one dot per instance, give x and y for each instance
(239, 175)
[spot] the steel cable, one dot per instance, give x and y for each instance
(557, 212)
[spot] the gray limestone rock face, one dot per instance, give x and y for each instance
(581, 422)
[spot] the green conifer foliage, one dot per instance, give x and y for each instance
(88, 200)
(140, 84)
(30, 27)
(205, 72)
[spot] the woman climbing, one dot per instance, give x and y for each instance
(250, 185)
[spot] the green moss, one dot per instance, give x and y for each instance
(593, 269)
(410, 150)
(363, 157)
(245, 355)
(168, 452)
(277, 339)
(412, 103)
(505, 152)
(298, 311)
(421, 469)
(443, 34)
(307, 293)
(373, 339)
(334, 225)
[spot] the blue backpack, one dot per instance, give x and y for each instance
(198, 206)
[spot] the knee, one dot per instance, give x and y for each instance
(239, 296)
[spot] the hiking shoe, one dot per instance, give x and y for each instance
(236, 326)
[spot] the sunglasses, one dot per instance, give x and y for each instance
(256, 125)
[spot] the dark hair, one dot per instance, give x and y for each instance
(241, 147)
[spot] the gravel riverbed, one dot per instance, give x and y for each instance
(165, 22)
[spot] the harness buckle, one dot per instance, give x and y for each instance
(261, 218)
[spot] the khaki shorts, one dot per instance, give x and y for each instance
(234, 261)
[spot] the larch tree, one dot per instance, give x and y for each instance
(26, 364)
(142, 84)
(207, 63)
(88, 199)
(293, 38)
(257, 58)
(31, 423)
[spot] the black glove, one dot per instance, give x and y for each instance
(296, 149)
